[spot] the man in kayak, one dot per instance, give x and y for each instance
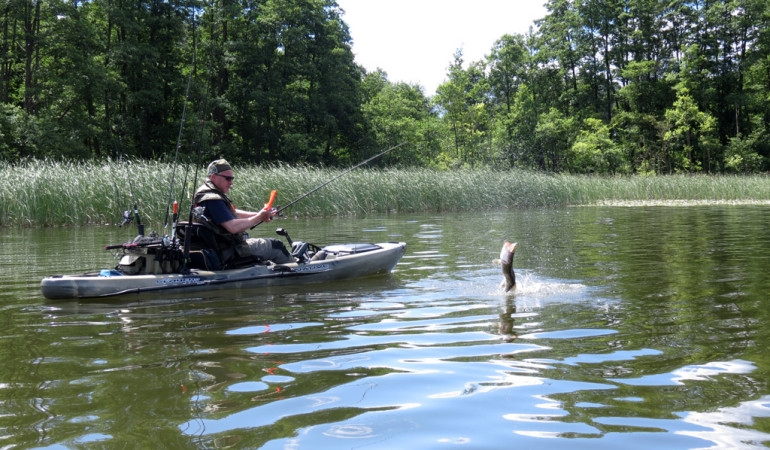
(229, 224)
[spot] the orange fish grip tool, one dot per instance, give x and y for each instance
(269, 203)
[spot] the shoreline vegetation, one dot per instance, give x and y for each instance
(621, 87)
(45, 194)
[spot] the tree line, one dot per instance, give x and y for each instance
(596, 86)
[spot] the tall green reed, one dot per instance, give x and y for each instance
(43, 193)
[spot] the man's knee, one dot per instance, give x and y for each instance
(280, 250)
(270, 249)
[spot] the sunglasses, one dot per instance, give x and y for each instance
(225, 177)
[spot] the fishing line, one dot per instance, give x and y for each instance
(338, 176)
(335, 178)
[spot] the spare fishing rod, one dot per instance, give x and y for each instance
(188, 227)
(127, 214)
(291, 203)
(179, 139)
(139, 224)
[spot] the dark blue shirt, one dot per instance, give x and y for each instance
(217, 211)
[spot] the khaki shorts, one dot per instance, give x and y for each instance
(267, 249)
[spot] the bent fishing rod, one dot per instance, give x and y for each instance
(291, 203)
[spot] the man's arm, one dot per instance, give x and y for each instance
(219, 214)
(244, 223)
(245, 214)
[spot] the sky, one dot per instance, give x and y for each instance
(414, 41)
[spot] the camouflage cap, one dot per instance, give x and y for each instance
(219, 166)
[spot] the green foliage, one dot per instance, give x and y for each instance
(601, 87)
(741, 155)
(553, 135)
(671, 83)
(275, 80)
(594, 151)
(18, 133)
(689, 135)
(518, 128)
(396, 113)
(464, 105)
(507, 69)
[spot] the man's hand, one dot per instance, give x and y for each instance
(266, 215)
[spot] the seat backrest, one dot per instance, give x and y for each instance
(203, 238)
(200, 236)
(203, 242)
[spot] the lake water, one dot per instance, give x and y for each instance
(630, 328)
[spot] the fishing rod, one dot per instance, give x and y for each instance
(183, 190)
(291, 203)
(202, 113)
(127, 214)
(139, 224)
(188, 227)
(179, 138)
(196, 149)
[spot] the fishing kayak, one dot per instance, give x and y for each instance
(334, 262)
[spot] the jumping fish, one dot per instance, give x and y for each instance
(506, 260)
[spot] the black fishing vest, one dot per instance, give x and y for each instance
(210, 192)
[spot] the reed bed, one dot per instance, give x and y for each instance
(42, 193)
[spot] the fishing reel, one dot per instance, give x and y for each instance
(197, 213)
(126, 218)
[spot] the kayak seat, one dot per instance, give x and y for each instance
(210, 252)
(204, 248)
(204, 259)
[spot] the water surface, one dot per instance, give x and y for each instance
(630, 327)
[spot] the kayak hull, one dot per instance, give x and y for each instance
(344, 264)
